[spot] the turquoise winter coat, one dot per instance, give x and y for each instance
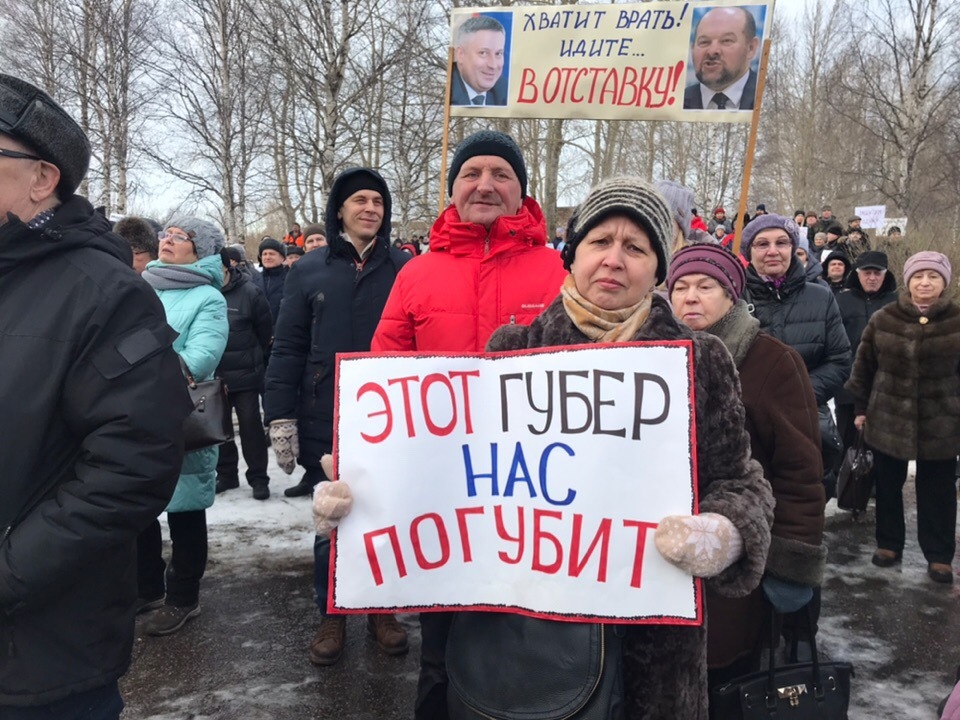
(199, 314)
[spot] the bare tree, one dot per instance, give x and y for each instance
(905, 73)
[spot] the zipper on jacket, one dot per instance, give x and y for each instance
(513, 319)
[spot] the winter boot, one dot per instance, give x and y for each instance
(389, 634)
(327, 645)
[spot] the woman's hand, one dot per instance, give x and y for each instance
(859, 421)
(702, 545)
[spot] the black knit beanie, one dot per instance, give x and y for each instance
(269, 243)
(632, 197)
(489, 142)
(355, 182)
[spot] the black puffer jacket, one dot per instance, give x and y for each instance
(805, 317)
(271, 282)
(332, 303)
(251, 329)
(93, 408)
(856, 307)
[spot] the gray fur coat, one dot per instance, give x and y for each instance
(665, 671)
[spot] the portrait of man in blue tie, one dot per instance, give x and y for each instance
(724, 46)
(480, 58)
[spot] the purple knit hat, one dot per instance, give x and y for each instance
(711, 260)
(765, 222)
(927, 260)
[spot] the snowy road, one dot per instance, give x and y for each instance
(245, 657)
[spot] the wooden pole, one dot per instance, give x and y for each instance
(446, 133)
(751, 148)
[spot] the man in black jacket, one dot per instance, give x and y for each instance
(93, 409)
(332, 302)
(868, 288)
(273, 275)
(241, 368)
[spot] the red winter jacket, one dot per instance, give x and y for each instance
(471, 282)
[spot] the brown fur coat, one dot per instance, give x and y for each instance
(665, 666)
(906, 379)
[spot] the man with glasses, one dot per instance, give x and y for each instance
(93, 406)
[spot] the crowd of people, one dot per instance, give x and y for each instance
(807, 314)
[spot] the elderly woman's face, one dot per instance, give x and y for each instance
(926, 286)
(176, 247)
(699, 300)
(615, 265)
(770, 252)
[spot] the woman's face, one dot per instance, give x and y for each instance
(798, 219)
(699, 300)
(926, 286)
(770, 252)
(615, 265)
(176, 247)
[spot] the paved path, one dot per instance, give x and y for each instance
(245, 657)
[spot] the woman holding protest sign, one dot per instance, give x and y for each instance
(705, 284)
(517, 666)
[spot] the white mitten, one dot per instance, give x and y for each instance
(331, 500)
(702, 545)
(286, 444)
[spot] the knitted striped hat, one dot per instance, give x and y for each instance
(632, 197)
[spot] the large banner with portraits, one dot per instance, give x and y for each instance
(527, 482)
(689, 61)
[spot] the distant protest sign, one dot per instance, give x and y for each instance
(528, 482)
(872, 216)
(690, 61)
(889, 223)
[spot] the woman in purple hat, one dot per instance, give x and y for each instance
(906, 393)
(705, 284)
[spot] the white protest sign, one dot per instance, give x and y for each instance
(898, 222)
(871, 216)
(527, 482)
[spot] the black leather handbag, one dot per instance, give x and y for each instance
(856, 477)
(511, 667)
(804, 691)
(211, 422)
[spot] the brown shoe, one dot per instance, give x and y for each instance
(327, 645)
(390, 635)
(885, 558)
(940, 572)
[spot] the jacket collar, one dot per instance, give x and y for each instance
(508, 232)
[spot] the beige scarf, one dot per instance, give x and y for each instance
(603, 325)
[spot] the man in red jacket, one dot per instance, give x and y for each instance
(489, 265)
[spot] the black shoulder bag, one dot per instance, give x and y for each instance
(211, 422)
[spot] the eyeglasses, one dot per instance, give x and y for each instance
(17, 155)
(764, 245)
(175, 237)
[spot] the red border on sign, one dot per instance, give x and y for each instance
(332, 607)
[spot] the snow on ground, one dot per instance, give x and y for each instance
(901, 631)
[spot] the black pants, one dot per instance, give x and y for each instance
(936, 506)
(431, 701)
(188, 536)
(253, 442)
(102, 703)
(845, 426)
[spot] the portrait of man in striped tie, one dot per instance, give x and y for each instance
(479, 58)
(724, 47)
